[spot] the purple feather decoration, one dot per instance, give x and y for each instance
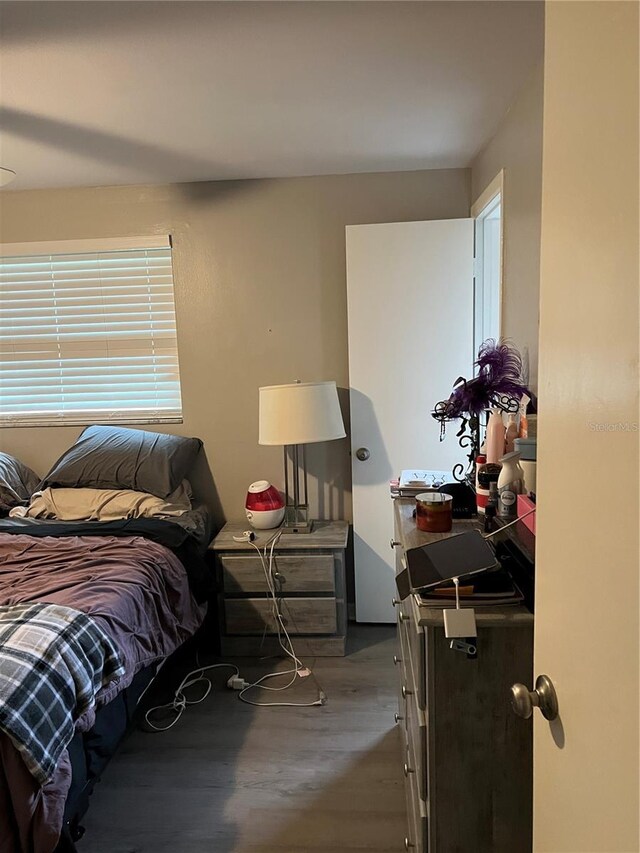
(498, 384)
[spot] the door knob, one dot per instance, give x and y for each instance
(363, 453)
(523, 700)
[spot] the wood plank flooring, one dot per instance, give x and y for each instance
(231, 778)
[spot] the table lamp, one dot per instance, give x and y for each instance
(293, 416)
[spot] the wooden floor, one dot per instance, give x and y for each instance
(231, 778)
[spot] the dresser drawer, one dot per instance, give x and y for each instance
(301, 615)
(296, 573)
(407, 673)
(417, 741)
(417, 640)
(416, 838)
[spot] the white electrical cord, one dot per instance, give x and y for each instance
(511, 523)
(180, 701)
(286, 646)
(456, 583)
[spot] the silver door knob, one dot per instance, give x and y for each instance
(406, 770)
(393, 543)
(363, 453)
(406, 692)
(523, 700)
(397, 717)
(397, 660)
(408, 845)
(403, 617)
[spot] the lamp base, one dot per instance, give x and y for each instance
(296, 520)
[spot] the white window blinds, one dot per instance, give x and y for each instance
(88, 333)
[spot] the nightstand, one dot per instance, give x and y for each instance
(311, 569)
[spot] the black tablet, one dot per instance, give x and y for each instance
(456, 557)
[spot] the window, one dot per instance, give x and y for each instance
(88, 333)
(487, 212)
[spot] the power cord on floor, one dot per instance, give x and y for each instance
(299, 670)
(180, 701)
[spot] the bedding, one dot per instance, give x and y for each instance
(17, 482)
(138, 592)
(106, 457)
(54, 662)
(187, 536)
(104, 504)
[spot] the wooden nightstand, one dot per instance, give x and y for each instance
(311, 569)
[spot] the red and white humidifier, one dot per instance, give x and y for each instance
(264, 505)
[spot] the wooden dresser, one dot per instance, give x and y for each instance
(309, 571)
(467, 758)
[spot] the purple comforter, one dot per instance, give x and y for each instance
(139, 593)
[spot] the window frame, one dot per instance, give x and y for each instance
(480, 209)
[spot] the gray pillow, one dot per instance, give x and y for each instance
(106, 457)
(17, 482)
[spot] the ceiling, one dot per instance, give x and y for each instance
(97, 93)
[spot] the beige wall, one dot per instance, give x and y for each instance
(517, 148)
(260, 297)
(586, 639)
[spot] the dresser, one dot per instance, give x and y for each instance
(466, 757)
(309, 575)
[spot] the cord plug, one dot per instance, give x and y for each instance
(236, 682)
(247, 536)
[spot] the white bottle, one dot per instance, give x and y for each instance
(495, 436)
(510, 485)
(511, 433)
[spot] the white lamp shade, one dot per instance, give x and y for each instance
(300, 413)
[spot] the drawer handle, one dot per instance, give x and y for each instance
(395, 602)
(397, 717)
(408, 844)
(397, 660)
(393, 543)
(403, 617)
(406, 770)
(406, 692)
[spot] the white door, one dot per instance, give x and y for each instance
(586, 795)
(410, 300)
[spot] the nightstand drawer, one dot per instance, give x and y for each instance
(302, 615)
(297, 573)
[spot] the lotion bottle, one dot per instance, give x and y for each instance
(495, 436)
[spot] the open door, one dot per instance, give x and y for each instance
(410, 298)
(586, 762)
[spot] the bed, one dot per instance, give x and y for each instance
(138, 583)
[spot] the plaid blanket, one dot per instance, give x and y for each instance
(53, 662)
